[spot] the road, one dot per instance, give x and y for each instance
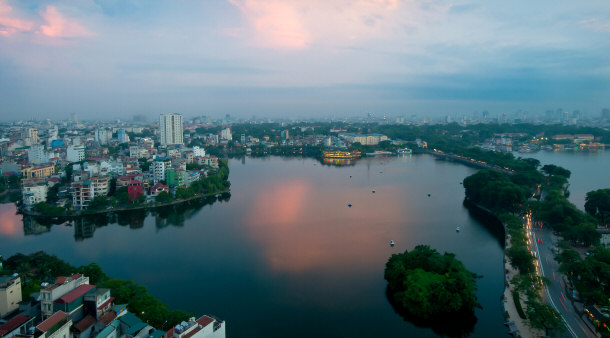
(543, 245)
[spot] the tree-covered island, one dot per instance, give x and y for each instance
(426, 284)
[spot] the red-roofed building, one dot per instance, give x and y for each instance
(204, 327)
(17, 325)
(51, 292)
(134, 189)
(158, 188)
(84, 326)
(56, 326)
(72, 302)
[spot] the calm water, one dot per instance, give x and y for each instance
(590, 170)
(285, 256)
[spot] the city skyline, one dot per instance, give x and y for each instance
(299, 59)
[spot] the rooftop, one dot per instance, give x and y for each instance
(75, 294)
(51, 321)
(85, 323)
(12, 324)
(108, 330)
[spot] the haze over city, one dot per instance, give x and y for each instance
(114, 59)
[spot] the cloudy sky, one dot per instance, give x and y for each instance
(116, 58)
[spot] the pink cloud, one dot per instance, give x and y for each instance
(596, 25)
(277, 24)
(298, 24)
(61, 26)
(9, 23)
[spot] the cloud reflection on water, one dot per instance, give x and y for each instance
(303, 226)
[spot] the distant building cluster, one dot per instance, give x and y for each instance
(70, 307)
(69, 164)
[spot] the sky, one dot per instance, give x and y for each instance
(301, 58)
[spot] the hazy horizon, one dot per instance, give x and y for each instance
(299, 59)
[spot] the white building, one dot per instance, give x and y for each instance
(112, 167)
(160, 164)
(31, 136)
(75, 153)
(86, 190)
(204, 327)
(189, 177)
(225, 134)
(198, 152)
(51, 292)
(102, 136)
(170, 127)
(37, 155)
(34, 192)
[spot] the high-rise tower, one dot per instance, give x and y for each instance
(170, 127)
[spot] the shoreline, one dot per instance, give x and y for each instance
(520, 327)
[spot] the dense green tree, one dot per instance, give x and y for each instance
(98, 202)
(144, 164)
(94, 272)
(590, 276)
(521, 259)
(427, 283)
(543, 317)
(554, 170)
(597, 204)
(49, 210)
(184, 192)
(163, 197)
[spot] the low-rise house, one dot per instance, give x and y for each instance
(44, 170)
(123, 181)
(84, 328)
(112, 330)
(51, 292)
(99, 302)
(72, 302)
(10, 294)
(211, 161)
(56, 326)
(204, 327)
(135, 189)
(190, 177)
(133, 326)
(18, 325)
(85, 191)
(158, 188)
(34, 191)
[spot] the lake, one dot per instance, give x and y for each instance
(285, 256)
(590, 170)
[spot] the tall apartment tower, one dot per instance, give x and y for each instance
(170, 126)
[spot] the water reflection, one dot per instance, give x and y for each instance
(339, 161)
(85, 227)
(9, 224)
(299, 229)
(450, 325)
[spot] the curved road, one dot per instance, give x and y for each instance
(543, 245)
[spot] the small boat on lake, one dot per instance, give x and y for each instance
(457, 229)
(392, 243)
